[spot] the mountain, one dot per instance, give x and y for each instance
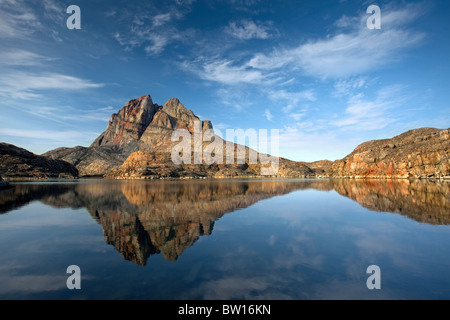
(19, 163)
(137, 143)
(127, 126)
(419, 153)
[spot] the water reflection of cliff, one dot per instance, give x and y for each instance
(423, 201)
(141, 218)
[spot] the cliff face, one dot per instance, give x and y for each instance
(19, 163)
(420, 153)
(173, 115)
(128, 125)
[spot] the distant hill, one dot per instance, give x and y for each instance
(16, 162)
(420, 153)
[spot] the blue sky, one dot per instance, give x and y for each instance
(311, 69)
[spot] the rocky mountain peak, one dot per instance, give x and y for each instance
(184, 118)
(129, 123)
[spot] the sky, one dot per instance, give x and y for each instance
(311, 69)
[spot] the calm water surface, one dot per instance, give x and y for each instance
(287, 239)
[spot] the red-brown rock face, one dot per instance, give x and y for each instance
(420, 153)
(129, 123)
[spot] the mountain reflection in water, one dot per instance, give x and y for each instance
(141, 218)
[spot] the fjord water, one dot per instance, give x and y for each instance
(226, 239)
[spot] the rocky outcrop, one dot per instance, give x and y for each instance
(127, 126)
(321, 168)
(419, 153)
(18, 163)
(92, 161)
(151, 165)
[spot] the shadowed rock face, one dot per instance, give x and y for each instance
(128, 125)
(142, 218)
(92, 161)
(19, 163)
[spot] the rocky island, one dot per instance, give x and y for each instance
(137, 144)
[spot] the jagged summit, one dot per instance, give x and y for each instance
(129, 123)
(141, 125)
(127, 127)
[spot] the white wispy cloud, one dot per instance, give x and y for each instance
(364, 114)
(352, 52)
(349, 52)
(17, 20)
(19, 57)
(238, 99)
(291, 100)
(54, 10)
(157, 43)
(161, 19)
(298, 144)
(154, 30)
(51, 135)
(224, 71)
(247, 29)
(347, 86)
(67, 114)
(23, 85)
(268, 115)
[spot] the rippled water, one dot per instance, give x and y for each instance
(238, 239)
